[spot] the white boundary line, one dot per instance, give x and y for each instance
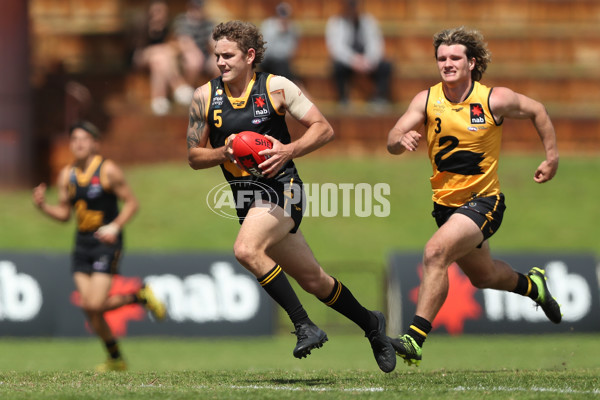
(380, 389)
(283, 388)
(524, 389)
(310, 389)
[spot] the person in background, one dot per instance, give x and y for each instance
(91, 187)
(193, 31)
(356, 46)
(281, 35)
(154, 50)
(463, 133)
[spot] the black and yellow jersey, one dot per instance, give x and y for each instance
(94, 204)
(254, 111)
(464, 146)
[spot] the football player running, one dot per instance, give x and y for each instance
(92, 187)
(269, 243)
(463, 127)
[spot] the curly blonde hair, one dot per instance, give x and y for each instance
(245, 34)
(473, 40)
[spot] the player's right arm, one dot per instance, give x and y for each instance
(403, 136)
(200, 155)
(62, 210)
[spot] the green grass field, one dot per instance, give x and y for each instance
(560, 216)
(467, 367)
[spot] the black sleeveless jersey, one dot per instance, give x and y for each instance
(93, 204)
(253, 111)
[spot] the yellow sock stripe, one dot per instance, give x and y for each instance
(420, 332)
(528, 286)
(336, 295)
(271, 276)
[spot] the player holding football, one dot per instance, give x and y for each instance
(463, 128)
(92, 186)
(269, 243)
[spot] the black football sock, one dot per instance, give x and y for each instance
(137, 299)
(276, 284)
(526, 287)
(419, 329)
(113, 349)
(342, 301)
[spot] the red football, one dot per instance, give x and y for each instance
(246, 146)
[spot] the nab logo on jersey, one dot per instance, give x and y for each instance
(95, 188)
(477, 115)
(260, 105)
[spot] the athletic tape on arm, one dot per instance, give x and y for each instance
(296, 102)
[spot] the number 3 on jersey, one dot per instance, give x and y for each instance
(438, 125)
(462, 162)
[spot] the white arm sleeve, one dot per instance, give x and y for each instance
(295, 101)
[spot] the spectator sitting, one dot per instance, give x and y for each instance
(281, 35)
(153, 50)
(193, 30)
(356, 45)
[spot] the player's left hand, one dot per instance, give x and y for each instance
(108, 233)
(278, 156)
(545, 171)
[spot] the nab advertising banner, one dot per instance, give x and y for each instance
(206, 295)
(572, 280)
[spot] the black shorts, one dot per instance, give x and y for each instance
(486, 212)
(285, 191)
(91, 255)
